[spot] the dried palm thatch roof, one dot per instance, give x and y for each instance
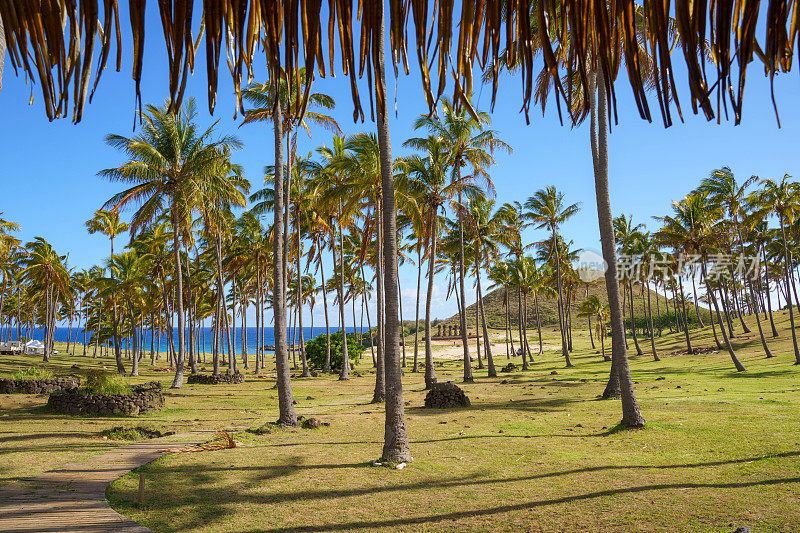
(55, 41)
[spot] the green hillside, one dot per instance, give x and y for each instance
(495, 311)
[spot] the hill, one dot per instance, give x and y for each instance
(495, 310)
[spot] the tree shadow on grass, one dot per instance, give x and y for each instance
(238, 493)
(34, 436)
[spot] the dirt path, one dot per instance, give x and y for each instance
(73, 498)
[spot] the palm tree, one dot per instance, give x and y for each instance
(48, 276)
(647, 248)
(484, 228)
(395, 443)
(500, 274)
(696, 228)
(626, 235)
(781, 199)
(109, 224)
(468, 142)
(428, 181)
(363, 166)
(547, 209)
(129, 286)
(279, 100)
(331, 177)
(589, 308)
(170, 159)
(724, 192)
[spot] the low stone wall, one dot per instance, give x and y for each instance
(143, 398)
(38, 386)
(205, 379)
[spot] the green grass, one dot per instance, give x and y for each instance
(102, 382)
(540, 453)
(32, 373)
(130, 433)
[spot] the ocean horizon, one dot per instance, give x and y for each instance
(61, 334)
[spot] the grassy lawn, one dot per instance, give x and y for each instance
(538, 453)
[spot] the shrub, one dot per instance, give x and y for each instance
(315, 349)
(132, 433)
(99, 382)
(32, 372)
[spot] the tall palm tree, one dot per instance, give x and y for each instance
(500, 274)
(109, 224)
(484, 228)
(395, 442)
(428, 180)
(469, 143)
(169, 160)
(696, 227)
(547, 209)
(129, 286)
(48, 276)
(781, 199)
(725, 192)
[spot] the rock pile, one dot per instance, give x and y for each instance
(510, 367)
(142, 398)
(445, 395)
(38, 386)
(205, 379)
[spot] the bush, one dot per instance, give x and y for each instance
(32, 372)
(132, 433)
(315, 349)
(99, 382)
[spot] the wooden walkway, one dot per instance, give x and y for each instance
(73, 498)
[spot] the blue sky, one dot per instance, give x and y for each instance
(50, 187)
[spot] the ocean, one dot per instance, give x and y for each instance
(269, 336)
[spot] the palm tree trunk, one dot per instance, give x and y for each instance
(650, 322)
(306, 373)
(525, 326)
(489, 359)
(344, 373)
(258, 353)
(395, 445)
(737, 308)
(463, 310)
(788, 292)
(561, 317)
(538, 321)
(286, 412)
(696, 304)
(402, 326)
(192, 359)
(754, 297)
(521, 329)
(477, 330)
(177, 383)
(379, 394)
(725, 305)
(369, 319)
(685, 315)
(135, 353)
(633, 319)
(631, 415)
(327, 367)
(507, 328)
(415, 368)
(430, 372)
(710, 291)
